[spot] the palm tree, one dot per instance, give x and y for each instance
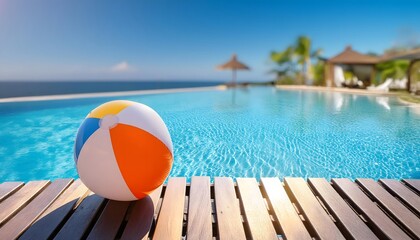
(395, 69)
(297, 54)
(302, 51)
(284, 61)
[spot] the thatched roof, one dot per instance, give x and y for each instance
(407, 55)
(233, 63)
(349, 56)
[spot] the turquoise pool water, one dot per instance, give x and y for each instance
(250, 132)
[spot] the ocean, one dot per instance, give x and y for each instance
(40, 88)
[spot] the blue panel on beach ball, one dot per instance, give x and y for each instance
(88, 127)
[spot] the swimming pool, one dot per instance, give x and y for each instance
(251, 132)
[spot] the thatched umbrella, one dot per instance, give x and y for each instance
(233, 64)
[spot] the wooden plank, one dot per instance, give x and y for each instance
(258, 219)
(82, 217)
(170, 221)
(140, 221)
(350, 222)
(379, 222)
(24, 218)
(14, 203)
(228, 212)
(403, 193)
(413, 183)
(8, 188)
(108, 223)
(290, 223)
(55, 214)
(155, 196)
(395, 208)
(317, 217)
(199, 209)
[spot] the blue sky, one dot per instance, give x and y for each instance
(185, 40)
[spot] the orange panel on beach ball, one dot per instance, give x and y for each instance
(136, 151)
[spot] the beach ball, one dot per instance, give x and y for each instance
(123, 150)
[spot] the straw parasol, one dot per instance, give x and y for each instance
(233, 64)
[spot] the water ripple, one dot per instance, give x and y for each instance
(255, 132)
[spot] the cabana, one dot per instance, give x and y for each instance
(362, 65)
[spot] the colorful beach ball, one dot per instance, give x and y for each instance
(123, 150)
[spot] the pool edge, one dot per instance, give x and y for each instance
(108, 94)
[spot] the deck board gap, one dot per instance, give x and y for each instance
(10, 189)
(243, 220)
(385, 211)
(213, 206)
(296, 207)
(302, 217)
(299, 211)
(357, 210)
(121, 229)
(410, 186)
(95, 218)
(186, 201)
(158, 207)
(363, 217)
(162, 193)
(125, 220)
(129, 211)
(24, 200)
(236, 191)
(85, 195)
(186, 211)
(393, 219)
(246, 229)
(413, 189)
(308, 227)
(67, 217)
(270, 210)
(215, 230)
(324, 207)
(152, 229)
(274, 220)
(400, 199)
(185, 216)
(241, 208)
(245, 223)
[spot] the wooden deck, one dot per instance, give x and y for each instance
(245, 209)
